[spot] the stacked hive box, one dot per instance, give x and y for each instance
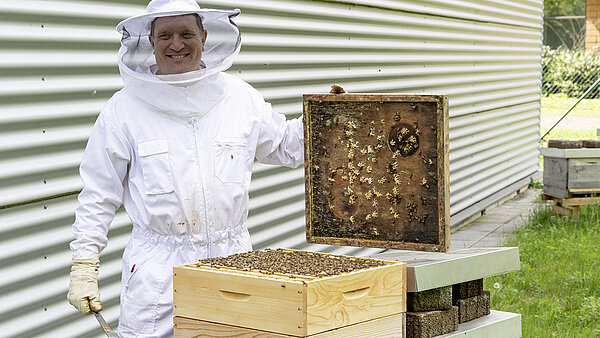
(220, 299)
(571, 174)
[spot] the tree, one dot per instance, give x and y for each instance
(553, 8)
(564, 23)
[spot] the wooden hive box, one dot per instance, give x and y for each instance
(289, 304)
(571, 172)
(392, 326)
(376, 170)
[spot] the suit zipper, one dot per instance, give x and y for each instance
(201, 179)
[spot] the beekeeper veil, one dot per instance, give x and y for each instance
(136, 58)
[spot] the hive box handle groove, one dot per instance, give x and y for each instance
(357, 293)
(235, 296)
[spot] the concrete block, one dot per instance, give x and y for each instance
(429, 300)
(428, 324)
(484, 304)
(473, 307)
(467, 290)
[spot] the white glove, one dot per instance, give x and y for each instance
(83, 288)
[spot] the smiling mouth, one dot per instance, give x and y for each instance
(178, 56)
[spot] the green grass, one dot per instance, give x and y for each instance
(557, 290)
(557, 104)
(570, 134)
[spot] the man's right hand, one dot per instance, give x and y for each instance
(83, 288)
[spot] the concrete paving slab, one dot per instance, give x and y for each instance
(497, 225)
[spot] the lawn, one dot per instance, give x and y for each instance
(558, 104)
(557, 290)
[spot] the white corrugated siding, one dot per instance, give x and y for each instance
(57, 68)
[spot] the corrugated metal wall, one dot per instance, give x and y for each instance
(57, 68)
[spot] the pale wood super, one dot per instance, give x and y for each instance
(292, 305)
(389, 326)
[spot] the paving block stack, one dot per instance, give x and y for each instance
(472, 301)
(439, 311)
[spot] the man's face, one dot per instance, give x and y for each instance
(178, 44)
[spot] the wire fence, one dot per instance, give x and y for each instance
(567, 75)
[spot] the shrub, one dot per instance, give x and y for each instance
(570, 72)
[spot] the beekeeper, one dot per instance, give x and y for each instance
(175, 146)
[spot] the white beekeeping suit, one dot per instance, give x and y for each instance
(177, 151)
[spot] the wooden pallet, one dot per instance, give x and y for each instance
(570, 206)
(389, 326)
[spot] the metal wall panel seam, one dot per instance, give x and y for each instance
(462, 111)
(70, 8)
(37, 60)
(494, 180)
(266, 237)
(494, 166)
(53, 288)
(424, 85)
(52, 33)
(318, 8)
(19, 221)
(36, 192)
(418, 81)
(478, 192)
(460, 163)
(263, 202)
(306, 26)
(34, 272)
(476, 6)
(463, 163)
(265, 219)
(491, 159)
(46, 111)
(371, 45)
(497, 104)
(256, 76)
(59, 84)
(466, 121)
(272, 182)
(490, 124)
(464, 167)
(302, 58)
(481, 143)
(517, 18)
(27, 139)
(31, 165)
(47, 240)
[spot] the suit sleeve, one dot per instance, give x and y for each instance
(280, 141)
(103, 170)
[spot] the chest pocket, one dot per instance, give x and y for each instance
(156, 167)
(230, 160)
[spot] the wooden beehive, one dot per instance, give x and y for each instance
(389, 326)
(571, 172)
(289, 304)
(376, 170)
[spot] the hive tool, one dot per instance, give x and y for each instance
(104, 325)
